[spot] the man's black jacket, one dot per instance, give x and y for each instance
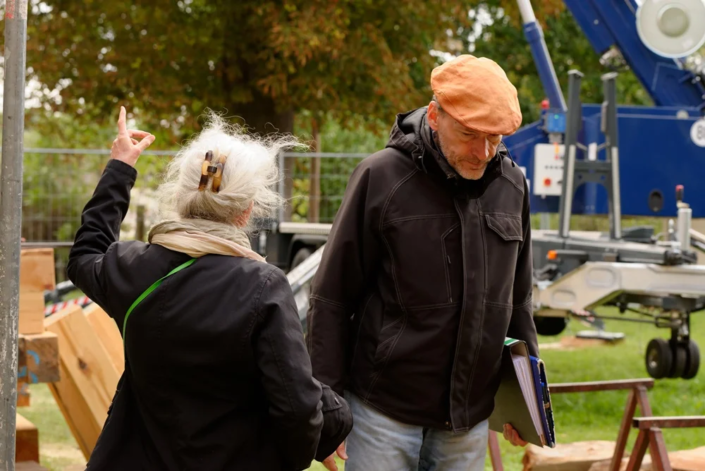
(423, 275)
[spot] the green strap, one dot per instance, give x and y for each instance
(148, 291)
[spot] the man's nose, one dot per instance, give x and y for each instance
(480, 149)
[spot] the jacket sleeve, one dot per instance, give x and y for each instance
(522, 325)
(347, 266)
(100, 229)
(294, 397)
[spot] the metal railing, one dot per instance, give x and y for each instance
(59, 182)
(313, 184)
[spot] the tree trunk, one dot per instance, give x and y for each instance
(314, 201)
(261, 116)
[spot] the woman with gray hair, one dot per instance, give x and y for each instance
(217, 376)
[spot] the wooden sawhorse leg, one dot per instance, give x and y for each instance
(637, 395)
(495, 454)
(650, 437)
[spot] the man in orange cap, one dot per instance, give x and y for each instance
(426, 270)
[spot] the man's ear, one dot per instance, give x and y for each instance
(432, 115)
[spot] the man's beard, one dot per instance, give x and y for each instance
(456, 162)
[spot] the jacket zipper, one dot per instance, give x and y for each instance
(462, 314)
(447, 263)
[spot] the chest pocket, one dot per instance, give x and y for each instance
(426, 260)
(503, 240)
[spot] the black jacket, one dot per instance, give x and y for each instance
(217, 375)
(423, 275)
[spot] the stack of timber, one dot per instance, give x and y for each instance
(38, 351)
(597, 456)
(91, 362)
(37, 274)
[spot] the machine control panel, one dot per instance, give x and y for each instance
(548, 169)
(555, 121)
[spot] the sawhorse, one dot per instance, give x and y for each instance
(650, 436)
(637, 395)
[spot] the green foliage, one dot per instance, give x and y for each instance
(262, 61)
(56, 186)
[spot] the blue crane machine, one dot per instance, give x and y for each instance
(639, 155)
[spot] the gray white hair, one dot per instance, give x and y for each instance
(249, 175)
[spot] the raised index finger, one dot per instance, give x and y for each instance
(122, 126)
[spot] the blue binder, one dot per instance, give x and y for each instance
(543, 394)
(511, 404)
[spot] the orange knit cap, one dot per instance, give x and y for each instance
(478, 94)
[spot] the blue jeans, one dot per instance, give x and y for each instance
(379, 443)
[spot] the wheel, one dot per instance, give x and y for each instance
(659, 358)
(693, 361)
(679, 354)
(550, 325)
(302, 254)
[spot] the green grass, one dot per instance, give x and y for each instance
(580, 416)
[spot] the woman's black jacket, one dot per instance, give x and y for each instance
(217, 375)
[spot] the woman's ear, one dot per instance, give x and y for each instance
(244, 218)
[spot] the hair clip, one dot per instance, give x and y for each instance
(217, 179)
(208, 170)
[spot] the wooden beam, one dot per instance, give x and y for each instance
(29, 466)
(23, 394)
(88, 376)
(38, 358)
(107, 331)
(657, 448)
(640, 446)
(37, 273)
(592, 386)
(31, 312)
(643, 423)
(27, 444)
(623, 434)
(495, 452)
(37, 269)
(83, 425)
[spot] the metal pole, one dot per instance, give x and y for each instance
(281, 183)
(542, 59)
(11, 220)
(574, 123)
(609, 122)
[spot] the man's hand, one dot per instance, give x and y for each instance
(125, 147)
(329, 462)
(512, 436)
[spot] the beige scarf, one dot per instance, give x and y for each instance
(199, 237)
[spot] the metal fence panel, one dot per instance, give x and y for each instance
(59, 182)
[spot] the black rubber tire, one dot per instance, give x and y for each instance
(679, 351)
(550, 326)
(302, 254)
(659, 358)
(693, 363)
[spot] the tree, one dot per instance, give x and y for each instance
(263, 61)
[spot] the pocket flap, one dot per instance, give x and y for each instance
(506, 226)
(331, 401)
